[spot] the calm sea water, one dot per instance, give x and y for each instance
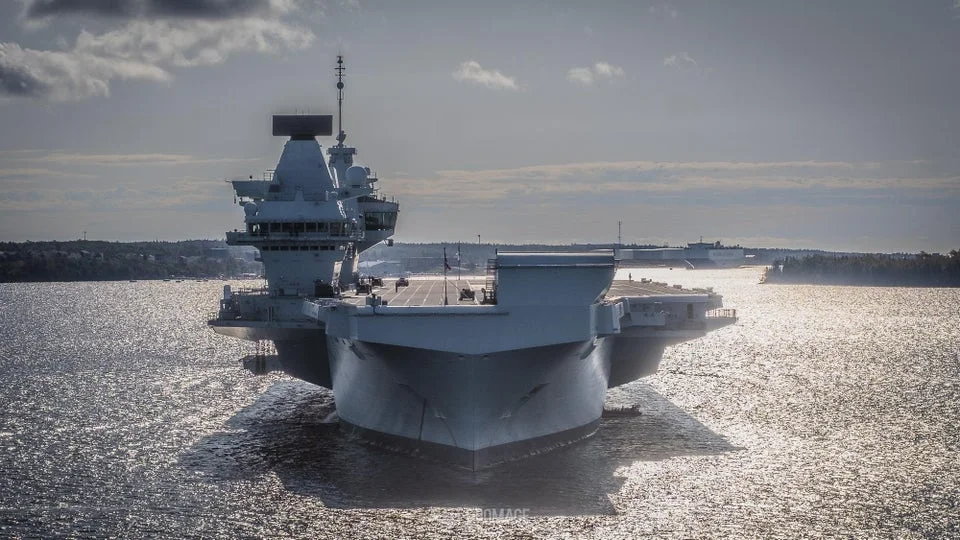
(826, 411)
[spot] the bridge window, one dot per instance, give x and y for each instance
(378, 221)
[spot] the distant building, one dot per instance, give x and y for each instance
(695, 255)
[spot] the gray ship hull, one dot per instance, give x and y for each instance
(469, 410)
(472, 410)
(473, 384)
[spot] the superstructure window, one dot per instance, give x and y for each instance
(378, 221)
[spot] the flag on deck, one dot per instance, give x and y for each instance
(446, 265)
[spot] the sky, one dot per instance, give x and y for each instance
(815, 124)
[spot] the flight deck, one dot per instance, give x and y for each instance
(429, 291)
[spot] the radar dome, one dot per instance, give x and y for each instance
(356, 175)
(250, 209)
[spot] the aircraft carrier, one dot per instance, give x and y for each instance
(472, 371)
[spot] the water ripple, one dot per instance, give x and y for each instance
(826, 411)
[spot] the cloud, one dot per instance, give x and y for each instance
(28, 160)
(472, 72)
(580, 75)
(607, 70)
(666, 9)
(680, 60)
(155, 36)
(38, 180)
(17, 79)
(206, 9)
(62, 76)
(586, 75)
(173, 193)
(192, 43)
(34, 172)
(131, 159)
(352, 6)
(651, 177)
(20, 153)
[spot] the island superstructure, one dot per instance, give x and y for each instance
(473, 371)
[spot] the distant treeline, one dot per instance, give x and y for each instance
(83, 260)
(921, 270)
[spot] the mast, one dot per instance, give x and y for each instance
(340, 69)
(619, 237)
(445, 265)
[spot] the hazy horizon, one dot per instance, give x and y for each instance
(401, 243)
(814, 126)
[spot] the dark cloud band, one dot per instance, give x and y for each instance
(18, 82)
(199, 9)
